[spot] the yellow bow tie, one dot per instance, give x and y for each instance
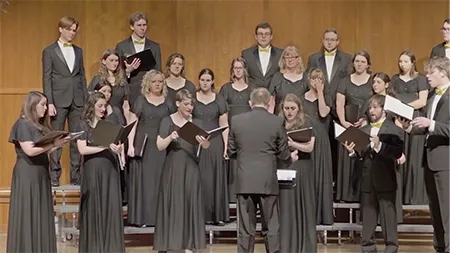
(330, 53)
(261, 49)
(446, 46)
(377, 125)
(66, 44)
(139, 42)
(440, 91)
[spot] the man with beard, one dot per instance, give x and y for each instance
(379, 181)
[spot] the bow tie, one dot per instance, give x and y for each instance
(261, 49)
(330, 53)
(66, 44)
(440, 91)
(377, 125)
(139, 42)
(446, 46)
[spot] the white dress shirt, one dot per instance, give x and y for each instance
(69, 55)
(433, 109)
(329, 61)
(138, 47)
(264, 58)
(447, 52)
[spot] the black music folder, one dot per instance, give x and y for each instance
(55, 134)
(190, 130)
(352, 113)
(148, 61)
(140, 141)
(301, 135)
(107, 132)
(407, 97)
(352, 134)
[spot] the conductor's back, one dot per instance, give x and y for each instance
(257, 139)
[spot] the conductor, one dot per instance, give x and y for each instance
(256, 140)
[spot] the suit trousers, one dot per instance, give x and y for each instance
(247, 207)
(73, 115)
(436, 184)
(375, 203)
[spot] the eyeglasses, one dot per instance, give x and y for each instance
(316, 78)
(263, 34)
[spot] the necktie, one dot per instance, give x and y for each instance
(330, 53)
(446, 46)
(377, 125)
(261, 49)
(139, 42)
(440, 91)
(66, 44)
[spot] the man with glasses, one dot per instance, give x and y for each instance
(262, 59)
(443, 49)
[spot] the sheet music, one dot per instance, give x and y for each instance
(398, 107)
(286, 175)
(338, 129)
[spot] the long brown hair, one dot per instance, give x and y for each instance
(119, 75)
(300, 117)
(170, 61)
(383, 76)
(29, 112)
(244, 65)
(412, 57)
(89, 107)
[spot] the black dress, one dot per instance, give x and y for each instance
(414, 192)
(321, 156)
(118, 93)
(280, 86)
(298, 207)
(212, 163)
(179, 220)
(237, 102)
(101, 218)
(145, 171)
(172, 94)
(348, 178)
(31, 222)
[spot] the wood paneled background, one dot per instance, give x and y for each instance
(208, 33)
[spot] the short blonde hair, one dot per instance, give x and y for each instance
(440, 63)
(147, 81)
(66, 22)
(293, 51)
(260, 96)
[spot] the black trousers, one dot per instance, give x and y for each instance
(437, 186)
(73, 115)
(247, 207)
(383, 204)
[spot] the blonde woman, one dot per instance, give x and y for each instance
(291, 78)
(146, 161)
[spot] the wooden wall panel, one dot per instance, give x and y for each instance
(208, 33)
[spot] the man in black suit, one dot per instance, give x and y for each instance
(443, 49)
(379, 178)
(136, 43)
(262, 59)
(64, 84)
(334, 63)
(256, 139)
(436, 126)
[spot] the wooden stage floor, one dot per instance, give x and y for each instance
(142, 244)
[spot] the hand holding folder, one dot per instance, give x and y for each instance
(55, 134)
(190, 130)
(148, 61)
(352, 134)
(399, 108)
(106, 133)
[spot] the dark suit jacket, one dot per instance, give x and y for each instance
(126, 48)
(438, 50)
(342, 67)
(62, 87)
(256, 78)
(438, 141)
(379, 169)
(256, 139)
